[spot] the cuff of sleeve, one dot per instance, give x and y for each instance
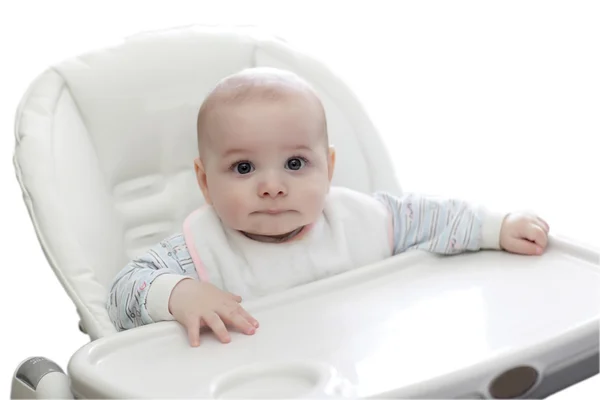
(491, 225)
(157, 302)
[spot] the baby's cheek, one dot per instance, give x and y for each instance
(238, 205)
(313, 197)
(235, 207)
(220, 198)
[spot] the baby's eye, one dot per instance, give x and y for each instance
(243, 168)
(295, 163)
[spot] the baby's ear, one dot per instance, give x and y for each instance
(201, 178)
(331, 161)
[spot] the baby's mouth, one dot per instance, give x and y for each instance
(272, 211)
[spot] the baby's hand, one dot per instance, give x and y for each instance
(524, 234)
(197, 304)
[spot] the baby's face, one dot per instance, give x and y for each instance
(266, 165)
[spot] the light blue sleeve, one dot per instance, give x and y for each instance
(128, 293)
(439, 225)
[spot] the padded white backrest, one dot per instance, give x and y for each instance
(105, 144)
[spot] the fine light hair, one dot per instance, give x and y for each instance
(255, 84)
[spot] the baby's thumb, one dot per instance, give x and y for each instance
(524, 246)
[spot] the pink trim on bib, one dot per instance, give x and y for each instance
(189, 241)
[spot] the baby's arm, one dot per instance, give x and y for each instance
(156, 273)
(150, 289)
(443, 226)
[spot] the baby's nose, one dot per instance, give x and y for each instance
(272, 187)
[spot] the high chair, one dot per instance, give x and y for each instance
(104, 149)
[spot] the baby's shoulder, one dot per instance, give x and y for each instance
(169, 242)
(173, 246)
(355, 202)
(347, 195)
(175, 240)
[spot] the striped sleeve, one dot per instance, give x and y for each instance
(139, 293)
(441, 225)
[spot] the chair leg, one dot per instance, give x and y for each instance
(40, 378)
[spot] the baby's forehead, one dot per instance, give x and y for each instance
(287, 119)
(259, 93)
(259, 84)
(255, 88)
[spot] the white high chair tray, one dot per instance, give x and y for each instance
(416, 325)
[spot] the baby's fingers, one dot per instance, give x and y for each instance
(535, 233)
(523, 246)
(543, 224)
(235, 315)
(249, 317)
(213, 321)
(193, 330)
(236, 298)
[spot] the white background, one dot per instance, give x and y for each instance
(502, 97)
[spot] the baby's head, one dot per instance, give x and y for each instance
(265, 163)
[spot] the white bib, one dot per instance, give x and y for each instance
(354, 230)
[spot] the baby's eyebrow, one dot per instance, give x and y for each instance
(234, 151)
(299, 147)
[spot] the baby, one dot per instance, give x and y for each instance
(273, 221)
